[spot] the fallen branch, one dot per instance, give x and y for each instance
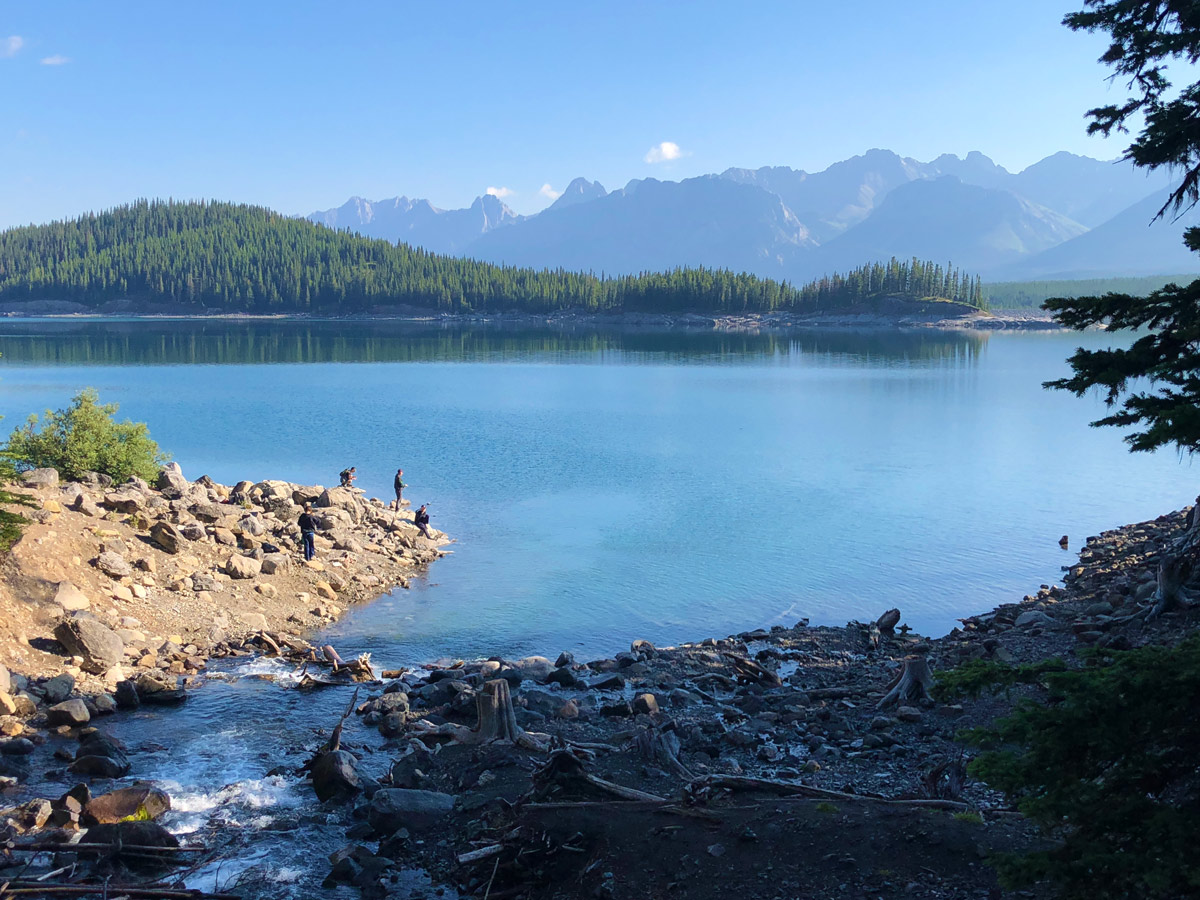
(50, 847)
(791, 789)
(34, 888)
(749, 670)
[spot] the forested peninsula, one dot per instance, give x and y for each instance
(235, 258)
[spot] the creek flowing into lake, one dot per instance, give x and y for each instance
(602, 485)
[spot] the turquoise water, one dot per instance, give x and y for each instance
(605, 486)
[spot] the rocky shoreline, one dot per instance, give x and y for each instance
(661, 771)
(116, 593)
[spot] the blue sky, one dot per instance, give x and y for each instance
(299, 105)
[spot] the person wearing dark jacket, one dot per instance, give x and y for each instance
(399, 485)
(308, 532)
(421, 520)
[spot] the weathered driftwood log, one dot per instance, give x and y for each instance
(660, 744)
(888, 621)
(497, 722)
(563, 769)
(913, 683)
(749, 670)
(791, 789)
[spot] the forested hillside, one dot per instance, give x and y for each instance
(241, 258)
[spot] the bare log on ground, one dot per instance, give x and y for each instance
(497, 722)
(913, 683)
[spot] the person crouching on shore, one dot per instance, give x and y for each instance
(421, 520)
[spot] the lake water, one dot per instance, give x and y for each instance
(602, 486)
(608, 485)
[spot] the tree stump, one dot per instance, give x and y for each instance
(913, 683)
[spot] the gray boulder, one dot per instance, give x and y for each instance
(58, 688)
(1033, 617)
(40, 478)
(124, 501)
(70, 712)
(171, 482)
(166, 536)
(334, 775)
(100, 646)
(209, 512)
(113, 565)
(99, 755)
(242, 567)
(395, 808)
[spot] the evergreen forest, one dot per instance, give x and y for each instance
(238, 258)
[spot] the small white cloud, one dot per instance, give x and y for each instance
(56, 60)
(664, 152)
(500, 192)
(548, 192)
(11, 45)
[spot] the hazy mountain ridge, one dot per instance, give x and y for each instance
(780, 222)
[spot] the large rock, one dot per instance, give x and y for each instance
(166, 536)
(71, 598)
(113, 565)
(100, 756)
(252, 526)
(72, 712)
(207, 511)
(171, 482)
(140, 803)
(40, 478)
(396, 808)
(1033, 617)
(58, 688)
(238, 566)
(159, 689)
(334, 775)
(125, 501)
(100, 646)
(344, 499)
(5, 681)
(86, 505)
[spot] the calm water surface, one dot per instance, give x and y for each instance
(605, 485)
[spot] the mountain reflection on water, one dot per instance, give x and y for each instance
(241, 341)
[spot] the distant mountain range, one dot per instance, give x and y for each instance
(1066, 216)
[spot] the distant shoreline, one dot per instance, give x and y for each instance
(1033, 320)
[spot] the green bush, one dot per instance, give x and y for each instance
(85, 437)
(1109, 766)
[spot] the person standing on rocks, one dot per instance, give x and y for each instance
(308, 532)
(421, 520)
(347, 476)
(399, 485)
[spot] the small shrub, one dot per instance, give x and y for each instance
(85, 437)
(824, 807)
(971, 818)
